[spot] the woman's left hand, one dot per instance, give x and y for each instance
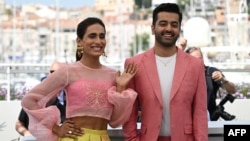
(68, 129)
(123, 79)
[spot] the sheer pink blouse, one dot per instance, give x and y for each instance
(89, 92)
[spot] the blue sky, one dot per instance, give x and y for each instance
(62, 3)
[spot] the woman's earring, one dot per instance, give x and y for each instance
(80, 49)
(79, 53)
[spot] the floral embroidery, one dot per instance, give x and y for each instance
(96, 97)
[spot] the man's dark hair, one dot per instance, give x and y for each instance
(166, 7)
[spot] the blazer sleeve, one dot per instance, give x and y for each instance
(200, 108)
(122, 103)
(42, 118)
(130, 131)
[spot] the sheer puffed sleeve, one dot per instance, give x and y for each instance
(42, 118)
(122, 103)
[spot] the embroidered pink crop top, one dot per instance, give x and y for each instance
(89, 92)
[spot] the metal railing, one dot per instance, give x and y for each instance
(17, 79)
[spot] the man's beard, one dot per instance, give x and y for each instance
(167, 44)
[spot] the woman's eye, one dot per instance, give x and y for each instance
(102, 36)
(92, 36)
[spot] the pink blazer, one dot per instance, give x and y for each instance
(188, 100)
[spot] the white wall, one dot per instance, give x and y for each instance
(239, 108)
(9, 112)
(158, 2)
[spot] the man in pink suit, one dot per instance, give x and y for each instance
(171, 87)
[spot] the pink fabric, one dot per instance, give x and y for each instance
(122, 106)
(188, 100)
(89, 92)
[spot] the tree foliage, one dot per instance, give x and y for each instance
(248, 5)
(143, 3)
(182, 4)
(140, 43)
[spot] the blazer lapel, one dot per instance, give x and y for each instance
(151, 69)
(180, 67)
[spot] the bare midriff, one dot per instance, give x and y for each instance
(90, 122)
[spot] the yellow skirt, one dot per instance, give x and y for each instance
(90, 135)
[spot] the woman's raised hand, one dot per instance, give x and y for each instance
(123, 79)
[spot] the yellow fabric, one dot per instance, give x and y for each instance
(90, 135)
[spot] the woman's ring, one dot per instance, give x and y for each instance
(70, 132)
